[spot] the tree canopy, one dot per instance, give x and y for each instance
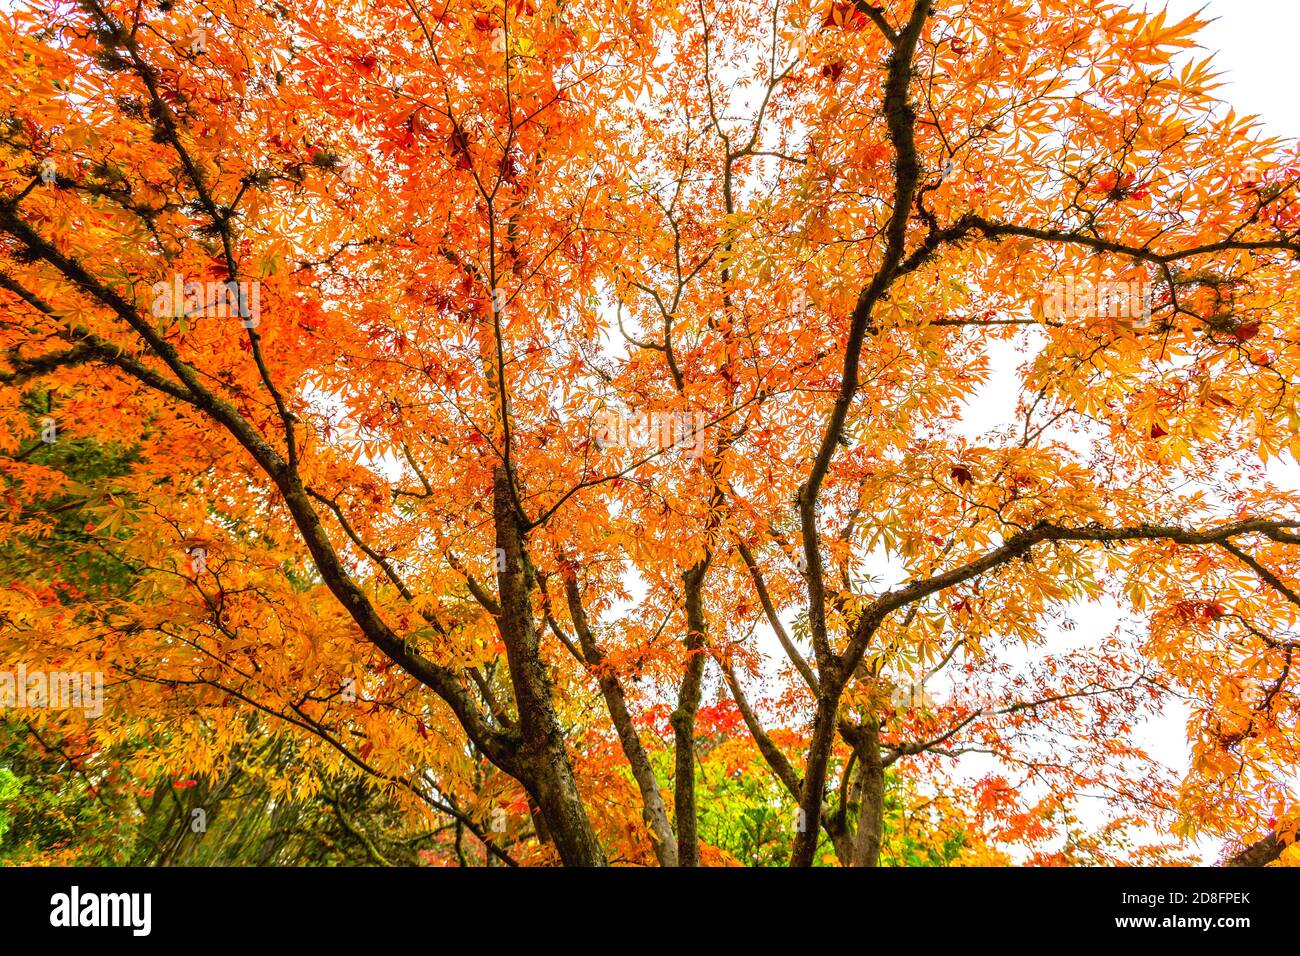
(540, 432)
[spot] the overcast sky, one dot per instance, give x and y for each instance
(1255, 46)
(1253, 43)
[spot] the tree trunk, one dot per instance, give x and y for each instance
(1261, 853)
(683, 718)
(652, 804)
(871, 817)
(814, 781)
(548, 773)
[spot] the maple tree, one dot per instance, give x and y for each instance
(315, 317)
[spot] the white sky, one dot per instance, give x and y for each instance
(1253, 46)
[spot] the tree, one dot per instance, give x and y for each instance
(494, 373)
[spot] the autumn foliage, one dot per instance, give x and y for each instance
(562, 429)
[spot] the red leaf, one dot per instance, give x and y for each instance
(845, 15)
(1246, 331)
